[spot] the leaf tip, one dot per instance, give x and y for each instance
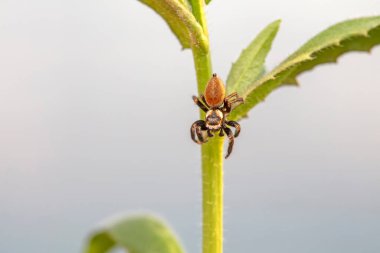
(276, 24)
(278, 21)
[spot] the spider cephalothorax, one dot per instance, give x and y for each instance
(216, 106)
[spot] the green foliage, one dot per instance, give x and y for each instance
(250, 64)
(186, 19)
(186, 3)
(139, 234)
(181, 21)
(353, 35)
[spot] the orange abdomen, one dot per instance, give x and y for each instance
(215, 92)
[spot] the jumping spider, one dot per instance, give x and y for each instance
(216, 106)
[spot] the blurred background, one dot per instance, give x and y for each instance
(95, 110)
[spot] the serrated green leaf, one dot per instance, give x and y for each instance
(250, 64)
(181, 21)
(353, 35)
(137, 234)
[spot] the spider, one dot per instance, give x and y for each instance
(216, 106)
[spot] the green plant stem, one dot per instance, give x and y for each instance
(212, 178)
(212, 171)
(199, 14)
(212, 153)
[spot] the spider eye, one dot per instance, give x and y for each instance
(215, 92)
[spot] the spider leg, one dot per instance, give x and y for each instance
(237, 100)
(203, 99)
(230, 99)
(209, 134)
(200, 104)
(231, 141)
(196, 129)
(235, 125)
(233, 94)
(229, 102)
